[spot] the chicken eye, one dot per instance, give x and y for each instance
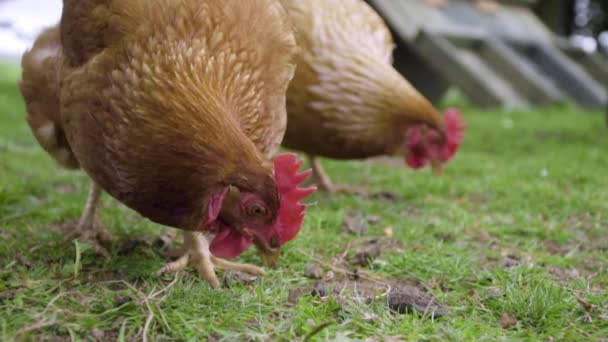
(256, 210)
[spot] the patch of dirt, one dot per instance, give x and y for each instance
(354, 223)
(409, 299)
(385, 196)
(374, 220)
(445, 236)
(136, 244)
(411, 211)
(584, 221)
(507, 260)
(400, 295)
(315, 272)
(555, 248)
(508, 321)
(337, 280)
(368, 250)
(63, 227)
(120, 301)
(565, 274)
(9, 294)
(232, 278)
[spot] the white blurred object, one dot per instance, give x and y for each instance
(583, 42)
(22, 20)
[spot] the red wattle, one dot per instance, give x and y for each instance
(229, 243)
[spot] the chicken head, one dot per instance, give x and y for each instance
(240, 217)
(428, 145)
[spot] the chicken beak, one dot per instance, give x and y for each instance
(270, 258)
(437, 168)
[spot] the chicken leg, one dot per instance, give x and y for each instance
(89, 227)
(325, 184)
(196, 250)
(320, 177)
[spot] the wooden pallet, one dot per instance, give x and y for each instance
(509, 59)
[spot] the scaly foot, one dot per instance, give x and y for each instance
(320, 177)
(324, 183)
(196, 251)
(89, 228)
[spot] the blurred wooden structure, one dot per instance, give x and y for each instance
(508, 59)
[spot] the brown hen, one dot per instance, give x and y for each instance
(346, 100)
(175, 108)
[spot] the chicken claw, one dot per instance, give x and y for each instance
(196, 251)
(90, 228)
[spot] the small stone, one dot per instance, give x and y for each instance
(374, 219)
(232, 278)
(508, 321)
(120, 301)
(385, 196)
(493, 292)
(98, 334)
(366, 254)
(353, 223)
(388, 232)
(408, 299)
(319, 290)
(315, 272)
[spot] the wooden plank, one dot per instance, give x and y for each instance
(594, 63)
(570, 77)
(493, 73)
(421, 74)
(520, 72)
(466, 70)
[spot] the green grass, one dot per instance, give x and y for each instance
(518, 225)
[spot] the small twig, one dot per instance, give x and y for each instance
(54, 299)
(349, 245)
(147, 298)
(147, 324)
(38, 325)
(77, 261)
(317, 330)
(170, 285)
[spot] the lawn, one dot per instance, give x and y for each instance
(511, 243)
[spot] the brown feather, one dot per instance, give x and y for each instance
(163, 101)
(346, 99)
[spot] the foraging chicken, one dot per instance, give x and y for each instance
(175, 108)
(346, 101)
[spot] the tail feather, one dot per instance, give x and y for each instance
(40, 87)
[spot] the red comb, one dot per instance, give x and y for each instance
(455, 127)
(422, 149)
(287, 178)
